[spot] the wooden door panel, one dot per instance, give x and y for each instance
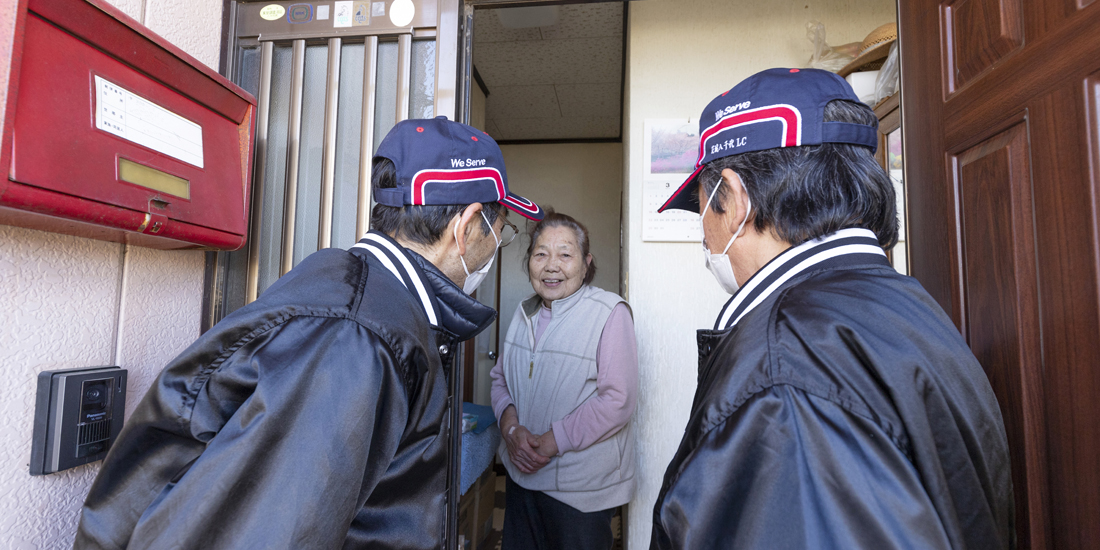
(1047, 62)
(1002, 148)
(1001, 302)
(1063, 125)
(982, 33)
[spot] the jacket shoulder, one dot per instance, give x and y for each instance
(827, 335)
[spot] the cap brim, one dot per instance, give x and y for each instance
(523, 207)
(685, 197)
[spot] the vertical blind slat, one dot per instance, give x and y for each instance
(332, 92)
(366, 154)
(256, 223)
(293, 149)
(404, 75)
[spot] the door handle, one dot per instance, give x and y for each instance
(493, 355)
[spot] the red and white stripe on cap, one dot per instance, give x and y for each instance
(788, 115)
(522, 206)
(424, 177)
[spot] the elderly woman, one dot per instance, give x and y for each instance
(564, 390)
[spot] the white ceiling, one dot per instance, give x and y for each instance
(562, 81)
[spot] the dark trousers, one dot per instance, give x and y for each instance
(535, 521)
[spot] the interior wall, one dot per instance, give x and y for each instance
(70, 302)
(680, 55)
(583, 180)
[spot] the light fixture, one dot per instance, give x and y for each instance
(401, 12)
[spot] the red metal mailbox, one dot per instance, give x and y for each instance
(115, 134)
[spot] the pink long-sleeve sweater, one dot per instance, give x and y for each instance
(610, 408)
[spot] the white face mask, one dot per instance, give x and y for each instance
(473, 280)
(719, 264)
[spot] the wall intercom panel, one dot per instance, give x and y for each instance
(113, 133)
(78, 414)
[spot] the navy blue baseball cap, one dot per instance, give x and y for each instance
(441, 162)
(771, 109)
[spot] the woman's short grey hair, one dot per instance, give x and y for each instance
(802, 193)
(556, 219)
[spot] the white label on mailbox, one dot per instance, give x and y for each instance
(134, 118)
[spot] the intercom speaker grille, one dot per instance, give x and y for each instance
(94, 431)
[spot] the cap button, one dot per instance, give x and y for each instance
(443, 117)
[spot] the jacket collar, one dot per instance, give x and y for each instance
(445, 305)
(845, 247)
(460, 314)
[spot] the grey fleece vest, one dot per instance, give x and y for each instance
(551, 381)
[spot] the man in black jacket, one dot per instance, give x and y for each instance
(837, 405)
(315, 416)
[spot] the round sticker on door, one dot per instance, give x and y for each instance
(272, 12)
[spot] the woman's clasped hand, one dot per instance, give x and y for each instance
(527, 451)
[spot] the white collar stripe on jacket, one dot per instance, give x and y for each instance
(391, 257)
(789, 264)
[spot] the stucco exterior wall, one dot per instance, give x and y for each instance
(69, 302)
(680, 55)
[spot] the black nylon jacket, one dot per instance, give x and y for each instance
(312, 418)
(844, 411)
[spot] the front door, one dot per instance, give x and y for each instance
(1002, 156)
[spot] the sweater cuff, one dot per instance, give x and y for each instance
(500, 405)
(564, 445)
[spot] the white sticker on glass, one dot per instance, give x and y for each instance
(134, 118)
(343, 14)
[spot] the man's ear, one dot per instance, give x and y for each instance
(463, 220)
(737, 202)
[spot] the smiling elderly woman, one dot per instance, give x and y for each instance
(564, 390)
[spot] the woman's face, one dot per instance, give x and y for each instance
(557, 265)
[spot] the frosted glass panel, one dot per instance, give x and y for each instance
(311, 152)
(348, 134)
(385, 106)
(350, 118)
(422, 100)
(271, 230)
(248, 74)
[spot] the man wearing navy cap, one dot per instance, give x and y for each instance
(837, 405)
(317, 416)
